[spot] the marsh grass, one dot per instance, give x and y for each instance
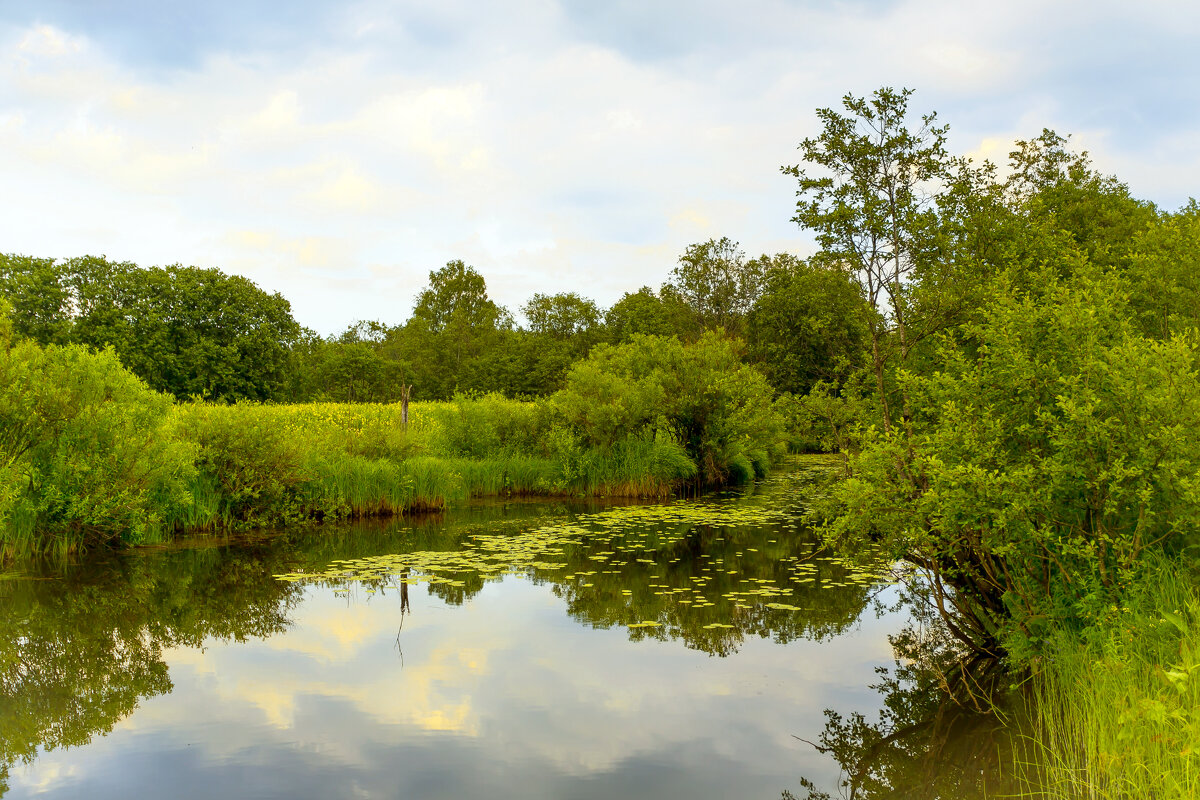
(264, 464)
(253, 465)
(1116, 712)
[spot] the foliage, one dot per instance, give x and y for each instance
(1164, 274)
(88, 453)
(809, 325)
(39, 302)
(699, 395)
(717, 282)
(1051, 185)
(184, 330)
(561, 315)
(456, 300)
(649, 313)
(1055, 446)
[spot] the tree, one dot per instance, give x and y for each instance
(650, 314)
(184, 330)
(87, 451)
(873, 208)
(562, 315)
(1051, 184)
(810, 324)
(1054, 448)
(717, 282)
(451, 322)
(40, 300)
(456, 299)
(1164, 274)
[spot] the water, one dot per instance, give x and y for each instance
(487, 653)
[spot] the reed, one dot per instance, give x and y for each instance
(1116, 711)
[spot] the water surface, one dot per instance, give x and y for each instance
(507, 650)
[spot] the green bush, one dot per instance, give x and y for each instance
(88, 453)
(1054, 448)
(699, 395)
(490, 425)
(259, 467)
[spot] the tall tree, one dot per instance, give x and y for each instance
(456, 299)
(1051, 184)
(561, 315)
(452, 323)
(718, 283)
(872, 205)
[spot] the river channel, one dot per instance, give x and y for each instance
(531, 649)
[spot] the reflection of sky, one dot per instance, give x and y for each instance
(505, 696)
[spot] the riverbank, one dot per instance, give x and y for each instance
(1116, 708)
(90, 456)
(279, 464)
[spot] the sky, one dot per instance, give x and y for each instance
(337, 152)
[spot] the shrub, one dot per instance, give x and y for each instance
(88, 453)
(699, 395)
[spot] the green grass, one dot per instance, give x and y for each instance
(269, 465)
(1116, 711)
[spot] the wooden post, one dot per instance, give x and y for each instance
(405, 391)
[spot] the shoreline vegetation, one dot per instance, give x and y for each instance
(95, 457)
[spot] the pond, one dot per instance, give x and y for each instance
(536, 649)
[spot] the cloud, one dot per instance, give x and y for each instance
(555, 146)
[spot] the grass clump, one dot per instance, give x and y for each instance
(1116, 712)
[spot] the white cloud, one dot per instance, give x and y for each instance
(552, 155)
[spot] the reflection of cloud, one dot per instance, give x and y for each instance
(506, 684)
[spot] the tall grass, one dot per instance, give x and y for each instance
(1116, 712)
(261, 464)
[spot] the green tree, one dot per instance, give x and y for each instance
(562, 316)
(718, 283)
(873, 208)
(562, 329)
(810, 324)
(39, 298)
(648, 313)
(452, 323)
(1055, 446)
(184, 330)
(456, 299)
(1050, 184)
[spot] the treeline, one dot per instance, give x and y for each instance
(200, 333)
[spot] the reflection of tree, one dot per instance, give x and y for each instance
(676, 556)
(78, 654)
(825, 610)
(937, 735)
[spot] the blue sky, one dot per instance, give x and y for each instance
(337, 152)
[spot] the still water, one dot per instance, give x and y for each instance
(505, 650)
